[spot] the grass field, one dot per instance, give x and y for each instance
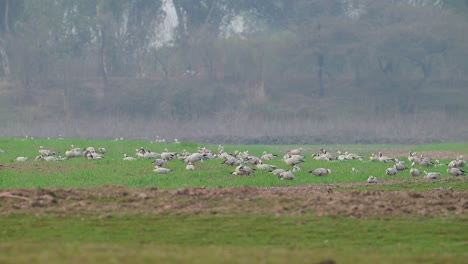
(63, 232)
(79, 172)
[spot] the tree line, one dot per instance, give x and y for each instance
(183, 60)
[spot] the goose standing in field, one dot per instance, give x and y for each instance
(126, 157)
(161, 170)
(455, 172)
(190, 167)
(413, 171)
(102, 150)
(39, 158)
(286, 175)
(22, 158)
(354, 170)
(372, 179)
(320, 171)
(413, 158)
(431, 175)
(391, 171)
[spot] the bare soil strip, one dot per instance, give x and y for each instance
(318, 199)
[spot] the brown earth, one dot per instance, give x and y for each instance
(318, 199)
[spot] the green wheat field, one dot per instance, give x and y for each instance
(224, 238)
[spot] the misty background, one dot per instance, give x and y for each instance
(222, 71)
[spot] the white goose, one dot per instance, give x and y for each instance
(431, 175)
(321, 171)
(277, 172)
(126, 157)
(287, 175)
(455, 172)
(268, 156)
(413, 171)
(263, 166)
(372, 179)
(190, 167)
(391, 171)
(161, 170)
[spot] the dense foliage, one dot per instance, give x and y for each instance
(270, 60)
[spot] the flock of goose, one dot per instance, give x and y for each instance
(246, 164)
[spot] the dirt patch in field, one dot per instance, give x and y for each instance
(319, 199)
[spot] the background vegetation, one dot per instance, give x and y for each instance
(236, 71)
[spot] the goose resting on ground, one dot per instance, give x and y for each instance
(286, 175)
(372, 179)
(455, 172)
(431, 175)
(321, 171)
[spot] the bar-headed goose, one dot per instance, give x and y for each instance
(413, 171)
(455, 172)
(431, 175)
(286, 175)
(320, 171)
(372, 179)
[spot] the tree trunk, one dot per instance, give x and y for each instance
(101, 52)
(320, 75)
(4, 60)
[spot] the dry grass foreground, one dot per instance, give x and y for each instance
(321, 199)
